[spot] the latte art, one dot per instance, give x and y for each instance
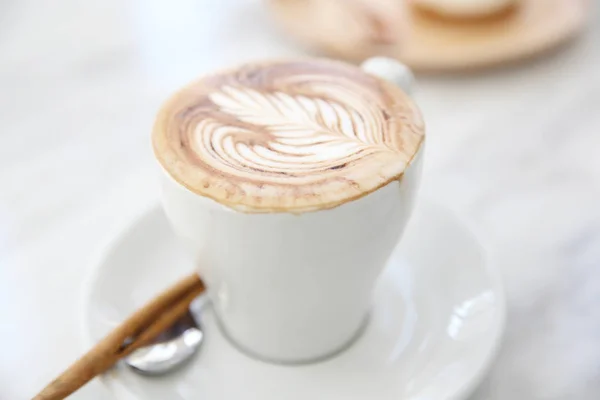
(293, 136)
(302, 134)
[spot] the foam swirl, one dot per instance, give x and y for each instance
(287, 136)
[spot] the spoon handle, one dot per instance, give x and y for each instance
(135, 332)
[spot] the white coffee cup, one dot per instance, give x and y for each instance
(295, 288)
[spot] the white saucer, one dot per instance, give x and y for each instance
(437, 321)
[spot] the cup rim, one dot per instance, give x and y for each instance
(283, 211)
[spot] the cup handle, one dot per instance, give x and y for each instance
(391, 70)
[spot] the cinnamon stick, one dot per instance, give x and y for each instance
(136, 331)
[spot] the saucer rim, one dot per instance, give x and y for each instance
(481, 241)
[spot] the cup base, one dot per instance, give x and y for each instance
(295, 361)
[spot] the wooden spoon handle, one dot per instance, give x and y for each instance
(135, 332)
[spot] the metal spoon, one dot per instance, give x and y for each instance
(171, 349)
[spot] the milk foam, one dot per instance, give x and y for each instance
(293, 136)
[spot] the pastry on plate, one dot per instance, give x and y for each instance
(465, 9)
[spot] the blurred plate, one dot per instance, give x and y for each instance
(353, 30)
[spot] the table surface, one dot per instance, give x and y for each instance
(513, 150)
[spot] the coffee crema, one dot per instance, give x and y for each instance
(289, 136)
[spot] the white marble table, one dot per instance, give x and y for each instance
(515, 151)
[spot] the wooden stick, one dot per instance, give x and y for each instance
(135, 332)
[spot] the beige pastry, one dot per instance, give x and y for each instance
(465, 9)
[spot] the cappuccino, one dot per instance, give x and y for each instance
(247, 153)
